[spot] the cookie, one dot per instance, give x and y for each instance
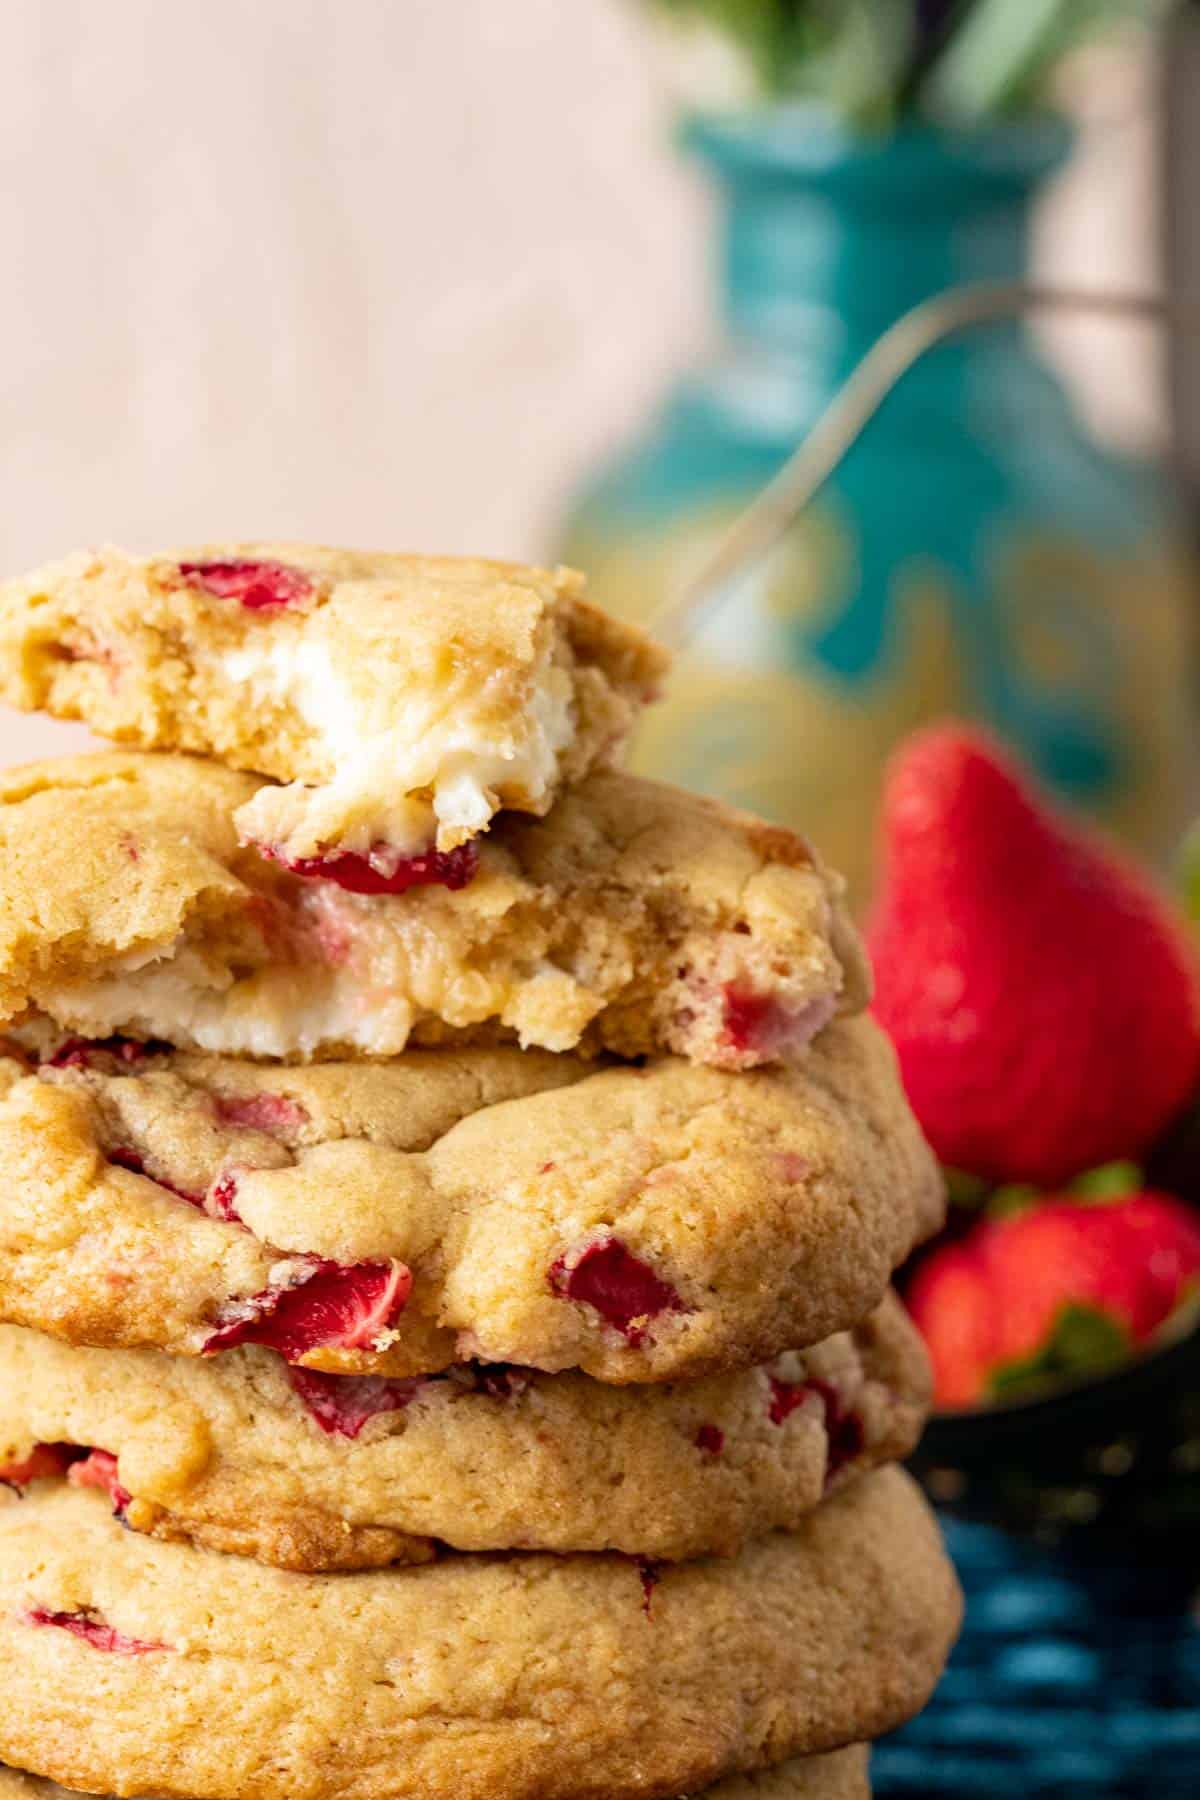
(639, 1223)
(633, 919)
(308, 1471)
(404, 700)
(839, 1775)
(131, 1666)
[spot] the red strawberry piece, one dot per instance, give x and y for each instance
(342, 1404)
(94, 1631)
(1041, 994)
(98, 1469)
(711, 1439)
(261, 1112)
(759, 1028)
(380, 873)
(624, 1290)
(258, 586)
(334, 1305)
(221, 1200)
(843, 1427)
(746, 1016)
(45, 1462)
(649, 1574)
(499, 1381)
(786, 1396)
(82, 1053)
(1068, 1287)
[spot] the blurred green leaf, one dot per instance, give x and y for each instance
(1003, 55)
(1188, 872)
(967, 1191)
(1084, 1341)
(1112, 1181)
(873, 62)
(1015, 1197)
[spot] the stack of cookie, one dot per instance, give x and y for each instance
(450, 1195)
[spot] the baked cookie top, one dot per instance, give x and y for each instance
(839, 1775)
(634, 918)
(403, 700)
(132, 1666)
(245, 1454)
(640, 1223)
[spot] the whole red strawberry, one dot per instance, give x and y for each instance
(1041, 994)
(1069, 1286)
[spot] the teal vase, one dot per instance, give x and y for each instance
(977, 552)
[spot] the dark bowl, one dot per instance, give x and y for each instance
(1118, 1454)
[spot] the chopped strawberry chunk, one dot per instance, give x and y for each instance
(80, 1053)
(499, 1381)
(710, 1438)
(786, 1396)
(98, 1469)
(342, 1404)
(45, 1462)
(649, 1574)
(261, 1112)
(379, 873)
(334, 1305)
(843, 1427)
(746, 1015)
(93, 1631)
(762, 1028)
(221, 1200)
(624, 1290)
(259, 586)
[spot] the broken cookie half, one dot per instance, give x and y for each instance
(632, 919)
(402, 700)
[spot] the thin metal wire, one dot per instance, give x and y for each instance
(777, 505)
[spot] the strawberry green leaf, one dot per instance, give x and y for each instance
(1187, 873)
(967, 1191)
(1016, 1197)
(1111, 1181)
(1084, 1341)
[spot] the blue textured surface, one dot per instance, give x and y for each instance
(1071, 1677)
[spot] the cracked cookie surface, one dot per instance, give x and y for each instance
(640, 1224)
(132, 1666)
(403, 700)
(307, 1471)
(633, 918)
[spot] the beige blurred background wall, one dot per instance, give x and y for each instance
(383, 271)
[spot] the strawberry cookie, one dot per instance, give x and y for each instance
(839, 1775)
(310, 1471)
(131, 1666)
(639, 1223)
(634, 918)
(402, 700)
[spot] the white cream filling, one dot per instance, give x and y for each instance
(369, 1002)
(282, 1012)
(434, 743)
